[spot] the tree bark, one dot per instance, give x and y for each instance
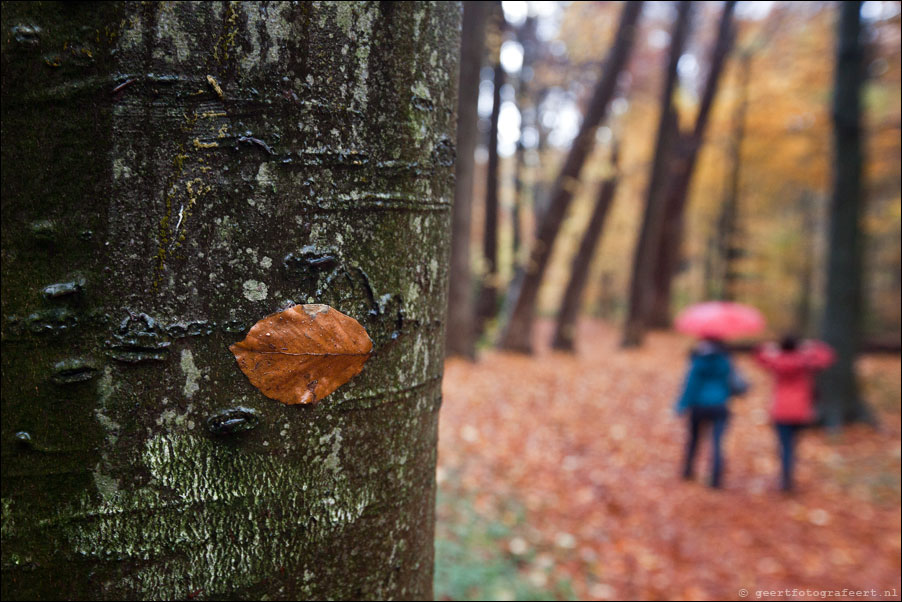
(526, 35)
(564, 334)
(540, 186)
(488, 292)
(841, 326)
(461, 310)
(517, 333)
(653, 217)
(171, 174)
(677, 190)
(517, 205)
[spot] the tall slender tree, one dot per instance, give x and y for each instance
(540, 186)
(461, 335)
(841, 325)
(653, 217)
(527, 37)
(687, 148)
(517, 332)
(564, 334)
(178, 172)
(486, 306)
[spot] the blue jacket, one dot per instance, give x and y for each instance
(708, 382)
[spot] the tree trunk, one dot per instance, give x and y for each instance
(526, 35)
(841, 326)
(653, 217)
(564, 334)
(669, 251)
(517, 205)
(171, 174)
(524, 292)
(677, 190)
(460, 335)
(607, 300)
(488, 292)
(540, 186)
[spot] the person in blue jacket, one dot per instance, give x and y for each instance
(710, 383)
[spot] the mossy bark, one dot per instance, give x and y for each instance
(172, 173)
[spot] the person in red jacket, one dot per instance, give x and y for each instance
(793, 365)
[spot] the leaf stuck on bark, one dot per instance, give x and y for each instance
(303, 354)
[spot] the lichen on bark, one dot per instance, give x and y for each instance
(163, 156)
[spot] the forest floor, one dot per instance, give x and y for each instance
(559, 478)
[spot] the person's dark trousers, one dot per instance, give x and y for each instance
(699, 419)
(787, 433)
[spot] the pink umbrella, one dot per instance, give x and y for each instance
(720, 319)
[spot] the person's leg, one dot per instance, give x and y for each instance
(719, 420)
(692, 443)
(786, 434)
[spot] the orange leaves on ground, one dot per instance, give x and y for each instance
(303, 354)
(589, 447)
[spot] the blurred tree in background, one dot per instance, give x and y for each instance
(754, 213)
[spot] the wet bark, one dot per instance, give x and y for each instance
(461, 308)
(841, 325)
(172, 173)
(653, 217)
(517, 332)
(565, 330)
(677, 189)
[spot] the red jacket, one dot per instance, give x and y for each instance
(794, 378)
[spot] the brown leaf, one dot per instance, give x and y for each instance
(303, 354)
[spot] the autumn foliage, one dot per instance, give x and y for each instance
(590, 448)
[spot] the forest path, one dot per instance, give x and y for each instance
(577, 458)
